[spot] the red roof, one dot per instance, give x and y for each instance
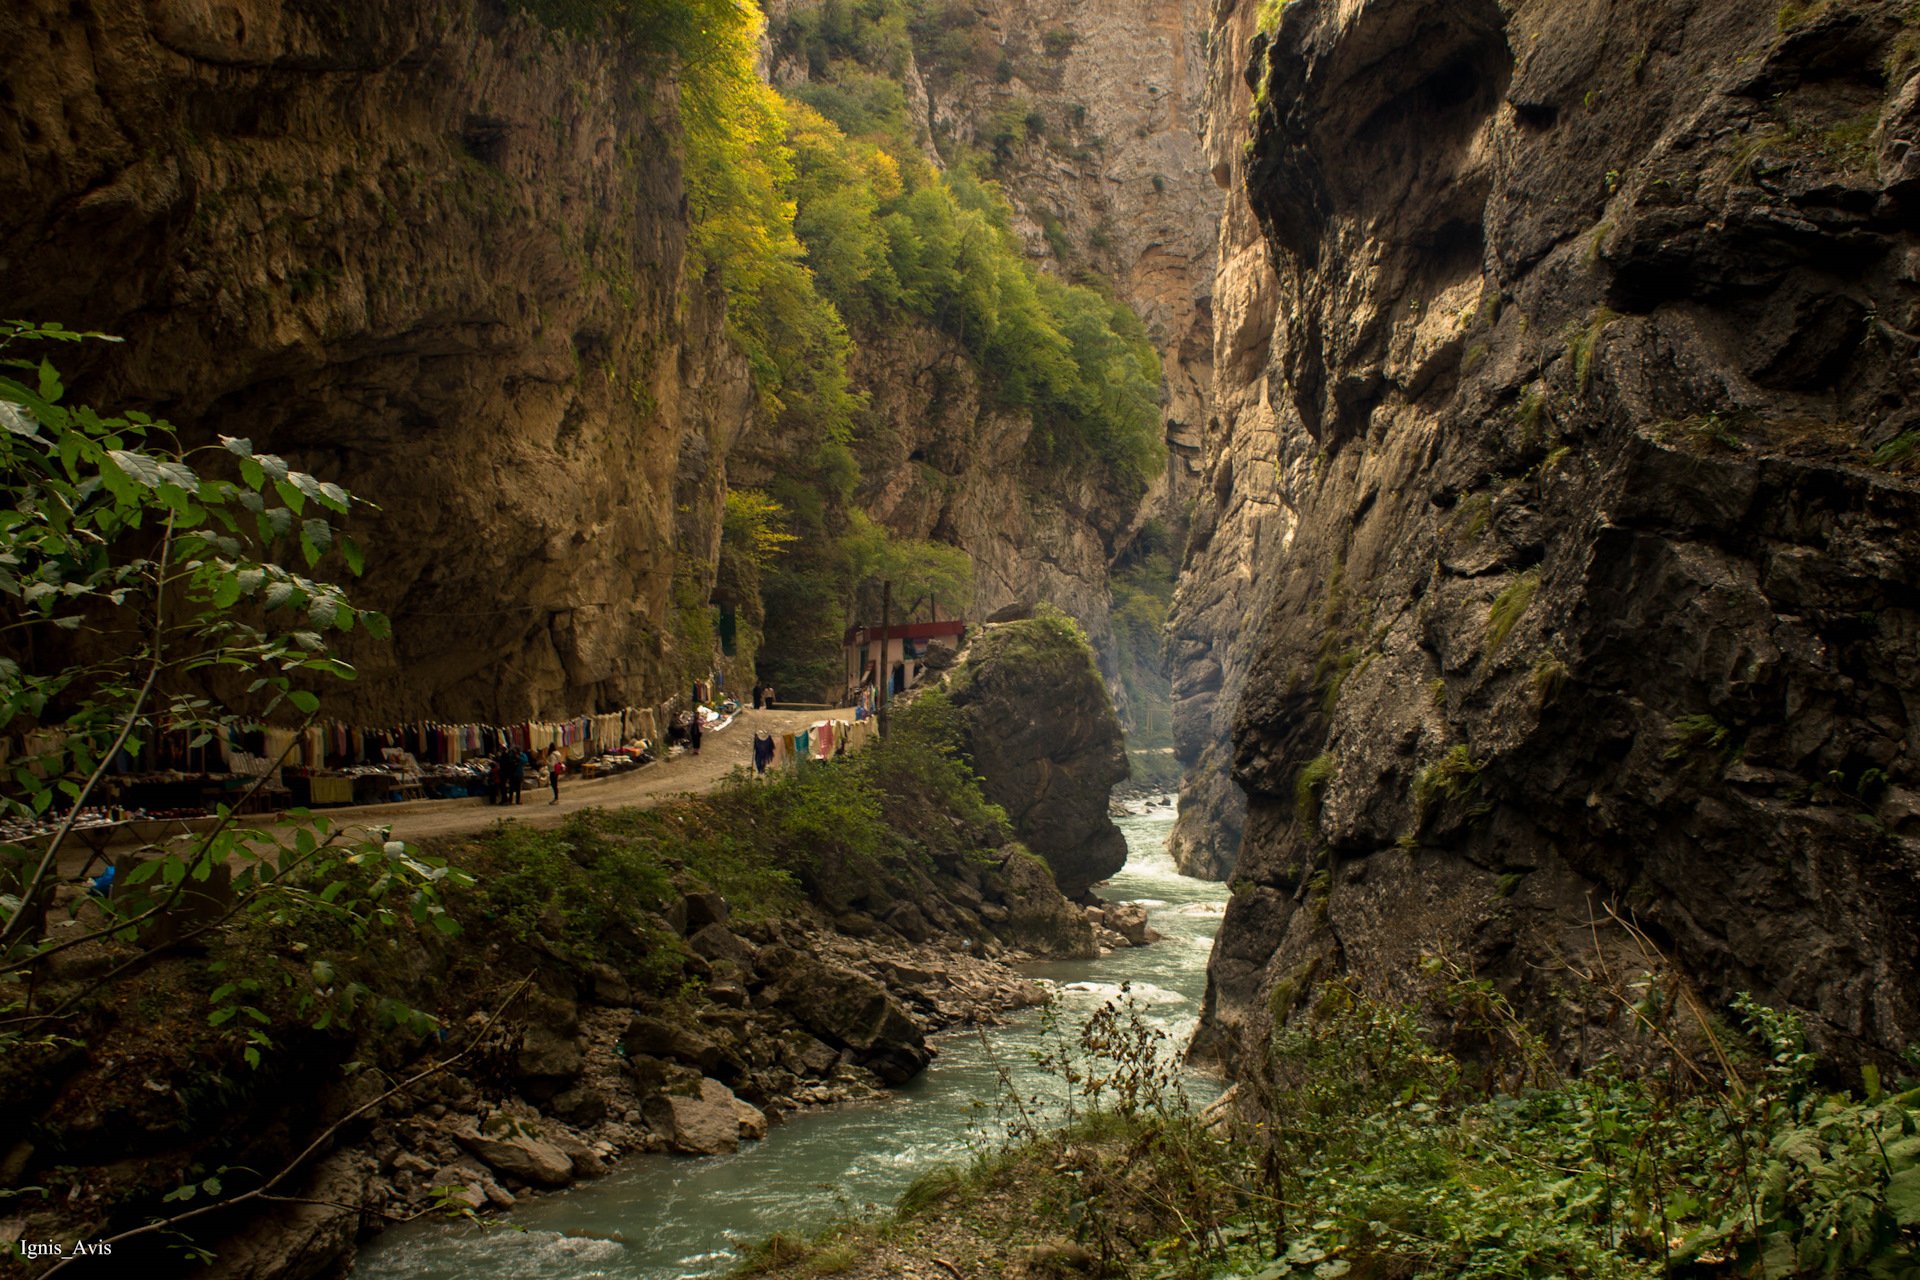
(907, 631)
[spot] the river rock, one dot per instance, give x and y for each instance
(463, 1183)
(587, 1162)
(648, 1036)
(1037, 916)
(303, 1239)
(805, 1055)
(693, 912)
(548, 1058)
(610, 986)
(706, 1123)
(583, 1105)
(715, 942)
(753, 1121)
(849, 1009)
(518, 1155)
(1129, 920)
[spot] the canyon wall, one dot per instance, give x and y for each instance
(1088, 121)
(1563, 487)
(1242, 519)
(428, 251)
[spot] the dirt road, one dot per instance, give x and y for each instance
(720, 754)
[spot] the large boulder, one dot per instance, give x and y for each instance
(1043, 735)
(1038, 917)
(653, 1037)
(708, 1122)
(519, 1155)
(847, 1008)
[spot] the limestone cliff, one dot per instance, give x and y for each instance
(1087, 119)
(947, 464)
(1241, 517)
(1569, 499)
(432, 253)
(1091, 114)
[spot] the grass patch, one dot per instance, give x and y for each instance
(1791, 15)
(1309, 785)
(1899, 451)
(1581, 342)
(1508, 608)
(1690, 735)
(1270, 14)
(1548, 674)
(1452, 775)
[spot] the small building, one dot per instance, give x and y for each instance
(899, 654)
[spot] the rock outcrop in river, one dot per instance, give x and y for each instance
(1559, 544)
(1041, 729)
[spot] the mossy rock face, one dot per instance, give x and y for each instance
(1042, 732)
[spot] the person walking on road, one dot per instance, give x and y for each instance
(556, 765)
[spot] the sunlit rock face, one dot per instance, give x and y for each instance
(427, 251)
(1557, 547)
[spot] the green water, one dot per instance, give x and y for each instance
(660, 1218)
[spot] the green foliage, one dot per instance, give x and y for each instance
(1702, 431)
(1792, 15)
(1271, 12)
(739, 175)
(886, 231)
(1396, 1165)
(1899, 451)
(1049, 641)
(1312, 780)
(592, 891)
(1695, 733)
(1363, 1148)
(926, 782)
(753, 524)
(1581, 342)
(1508, 607)
(831, 578)
(918, 570)
(821, 212)
(169, 561)
(1448, 778)
(1548, 675)
(870, 33)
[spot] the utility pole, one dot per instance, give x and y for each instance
(884, 668)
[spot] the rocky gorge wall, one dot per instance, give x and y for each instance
(428, 251)
(1105, 182)
(1561, 484)
(1241, 517)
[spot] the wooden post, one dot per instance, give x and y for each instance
(884, 668)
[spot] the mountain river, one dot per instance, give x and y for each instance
(666, 1218)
